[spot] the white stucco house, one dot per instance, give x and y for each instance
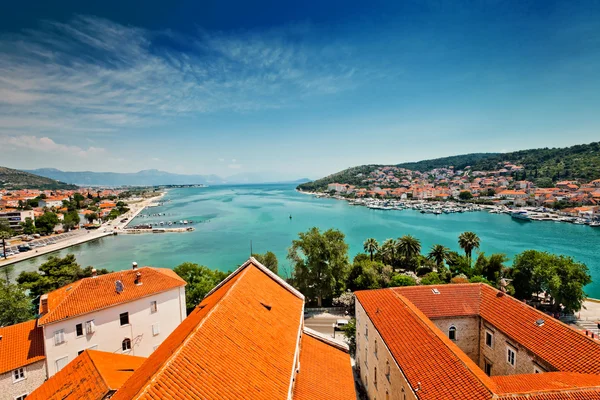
(124, 312)
(22, 360)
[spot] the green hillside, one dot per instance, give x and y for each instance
(580, 162)
(14, 179)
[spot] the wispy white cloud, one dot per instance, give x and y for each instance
(93, 75)
(47, 145)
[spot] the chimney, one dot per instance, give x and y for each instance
(44, 304)
(94, 273)
(138, 278)
(134, 265)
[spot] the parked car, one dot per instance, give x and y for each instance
(24, 248)
(340, 324)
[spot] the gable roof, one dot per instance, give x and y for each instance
(325, 371)
(92, 375)
(241, 342)
(426, 355)
(91, 294)
(20, 345)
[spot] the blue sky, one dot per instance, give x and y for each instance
(271, 90)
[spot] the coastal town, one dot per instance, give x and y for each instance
(391, 187)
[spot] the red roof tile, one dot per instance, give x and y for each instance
(91, 376)
(453, 300)
(91, 294)
(325, 372)
(545, 382)
(240, 343)
(21, 344)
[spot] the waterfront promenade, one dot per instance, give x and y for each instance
(81, 235)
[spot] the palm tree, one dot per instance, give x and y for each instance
(409, 247)
(388, 250)
(371, 246)
(468, 241)
(438, 253)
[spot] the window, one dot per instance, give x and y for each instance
(124, 317)
(126, 345)
(155, 329)
(61, 362)
(90, 327)
(366, 332)
(79, 330)
(387, 370)
(153, 307)
(155, 347)
(18, 374)
(21, 397)
(366, 355)
(487, 367)
(80, 351)
(537, 369)
(59, 337)
(510, 356)
(489, 339)
(375, 377)
(375, 352)
(452, 333)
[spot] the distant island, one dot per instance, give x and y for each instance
(551, 177)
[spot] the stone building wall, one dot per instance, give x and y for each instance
(467, 333)
(35, 375)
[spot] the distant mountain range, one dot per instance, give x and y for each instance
(580, 162)
(151, 177)
(15, 179)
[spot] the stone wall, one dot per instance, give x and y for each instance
(497, 354)
(467, 333)
(35, 375)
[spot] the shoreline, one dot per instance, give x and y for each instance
(106, 229)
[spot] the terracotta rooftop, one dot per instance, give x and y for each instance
(240, 343)
(325, 372)
(92, 376)
(20, 345)
(91, 294)
(403, 316)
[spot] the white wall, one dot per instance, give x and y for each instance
(35, 375)
(109, 333)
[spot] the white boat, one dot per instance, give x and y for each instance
(595, 224)
(521, 215)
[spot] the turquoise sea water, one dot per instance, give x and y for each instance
(232, 216)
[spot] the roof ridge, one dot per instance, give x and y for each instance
(87, 352)
(77, 283)
(320, 337)
(489, 385)
(187, 338)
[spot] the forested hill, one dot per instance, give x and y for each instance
(14, 179)
(580, 162)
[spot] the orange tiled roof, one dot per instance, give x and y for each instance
(576, 356)
(240, 342)
(92, 376)
(421, 351)
(325, 372)
(21, 344)
(91, 294)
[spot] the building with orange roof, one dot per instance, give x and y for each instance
(22, 360)
(468, 341)
(245, 340)
(93, 375)
(125, 312)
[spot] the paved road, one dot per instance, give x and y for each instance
(323, 323)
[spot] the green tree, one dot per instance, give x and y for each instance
(402, 280)
(269, 260)
(28, 226)
(91, 217)
(431, 278)
(371, 246)
(388, 251)
(480, 279)
(320, 263)
(56, 272)
(465, 195)
(78, 199)
(468, 241)
(46, 222)
(409, 248)
(200, 280)
(439, 254)
(71, 220)
(15, 306)
(350, 334)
